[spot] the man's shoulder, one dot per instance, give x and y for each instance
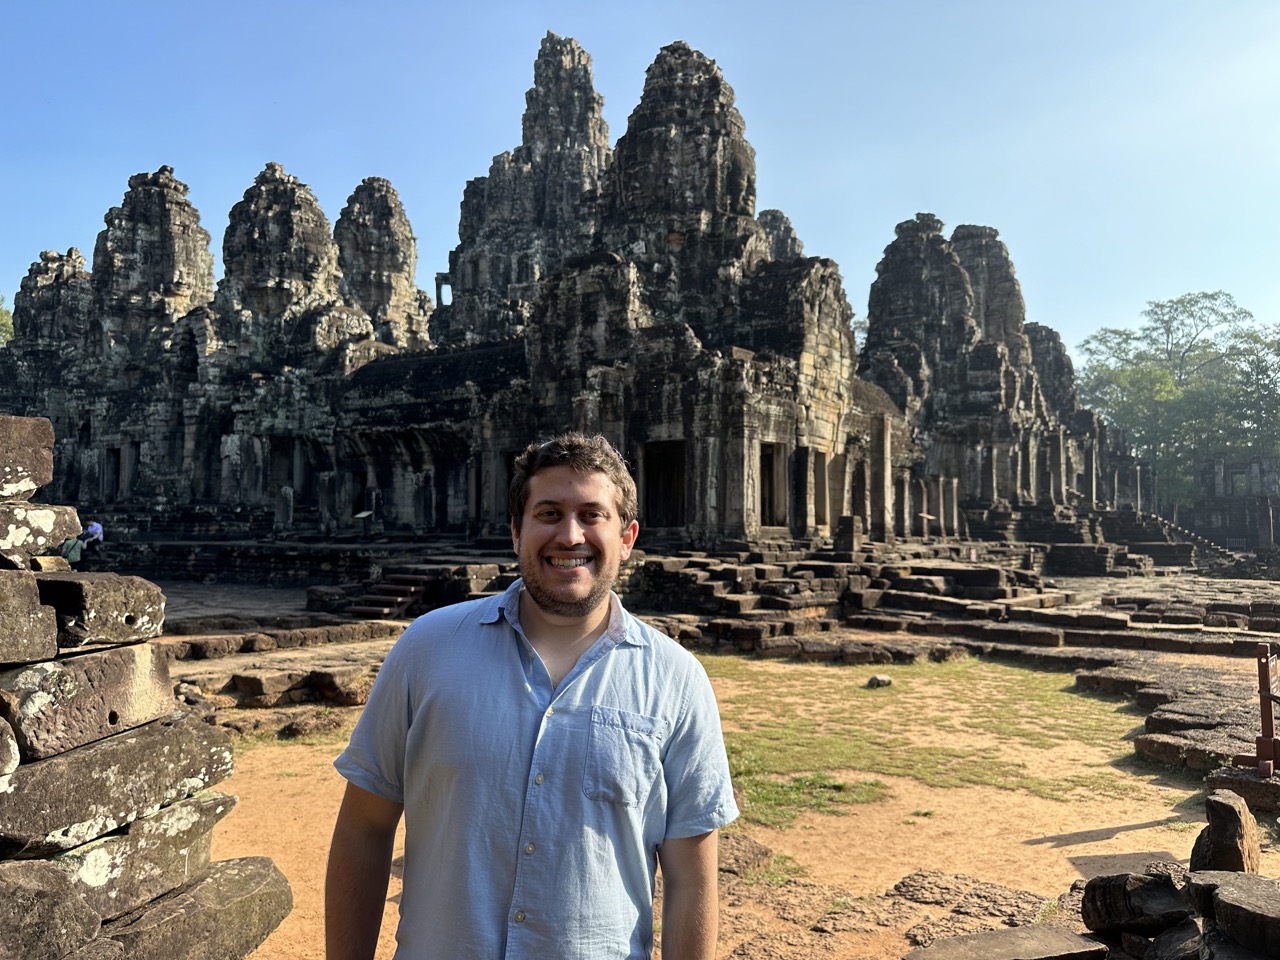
(445, 621)
(663, 646)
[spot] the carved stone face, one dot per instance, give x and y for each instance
(571, 541)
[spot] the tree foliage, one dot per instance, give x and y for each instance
(6, 322)
(1198, 378)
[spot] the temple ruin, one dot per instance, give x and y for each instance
(633, 291)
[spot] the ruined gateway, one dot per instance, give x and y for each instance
(634, 292)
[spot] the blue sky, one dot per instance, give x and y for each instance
(1126, 151)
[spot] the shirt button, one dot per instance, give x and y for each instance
(550, 711)
(528, 848)
(538, 779)
(519, 916)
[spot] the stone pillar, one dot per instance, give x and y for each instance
(989, 480)
(951, 504)
(1090, 491)
(1027, 472)
(1266, 524)
(902, 505)
(1219, 478)
(1057, 468)
(1137, 487)
(881, 481)
(920, 505)
(937, 508)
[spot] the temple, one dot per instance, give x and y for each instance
(633, 291)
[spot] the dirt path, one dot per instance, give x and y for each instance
(289, 797)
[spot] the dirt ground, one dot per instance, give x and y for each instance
(289, 796)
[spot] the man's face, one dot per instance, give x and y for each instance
(571, 541)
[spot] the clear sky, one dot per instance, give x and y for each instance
(1127, 150)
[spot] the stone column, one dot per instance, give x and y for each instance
(920, 505)
(902, 505)
(1057, 468)
(937, 508)
(1137, 487)
(1266, 524)
(881, 481)
(951, 504)
(1090, 491)
(1219, 478)
(990, 483)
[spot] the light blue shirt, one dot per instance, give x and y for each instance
(533, 816)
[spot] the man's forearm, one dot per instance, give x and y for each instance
(690, 898)
(355, 889)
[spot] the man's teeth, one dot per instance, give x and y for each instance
(566, 563)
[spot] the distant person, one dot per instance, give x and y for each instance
(547, 750)
(87, 543)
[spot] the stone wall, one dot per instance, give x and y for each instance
(106, 811)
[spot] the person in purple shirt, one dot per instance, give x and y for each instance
(547, 751)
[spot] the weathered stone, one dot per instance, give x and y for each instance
(1177, 943)
(1244, 906)
(1230, 841)
(60, 704)
(1132, 903)
(378, 255)
(150, 857)
(151, 265)
(26, 456)
(1217, 945)
(99, 949)
(9, 755)
(78, 796)
(28, 630)
(102, 607)
(1016, 943)
(42, 915)
(225, 914)
(27, 529)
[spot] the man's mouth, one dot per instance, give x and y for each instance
(568, 563)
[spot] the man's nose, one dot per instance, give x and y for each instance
(570, 531)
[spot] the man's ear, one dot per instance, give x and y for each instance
(629, 534)
(515, 537)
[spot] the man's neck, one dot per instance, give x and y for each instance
(561, 641)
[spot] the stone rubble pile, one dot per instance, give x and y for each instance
(106, 815)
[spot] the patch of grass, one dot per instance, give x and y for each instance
(945, 725)
(780, 869)
(922, 813)
(772, 802)
(1050, 910)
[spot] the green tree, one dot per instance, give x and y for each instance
(1174, 385)
(6, 322)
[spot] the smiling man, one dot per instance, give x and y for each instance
(547, 751)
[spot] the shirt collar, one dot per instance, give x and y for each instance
(507, 606)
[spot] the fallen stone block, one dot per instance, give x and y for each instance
(28, 630)
(1038, 942)
(226, 913)
(1230, 839)
(42, 916)
(1177, 943)
(1260, 793)
(1244, 906)
(1132, 903)
(26, 456)
(102, 607)
(152, 856)
(61, 704)
(29, 529)
(65, 801)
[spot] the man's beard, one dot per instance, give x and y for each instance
(549, 602)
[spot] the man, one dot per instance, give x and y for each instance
(547, 751)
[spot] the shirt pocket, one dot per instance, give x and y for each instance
(624, 756)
